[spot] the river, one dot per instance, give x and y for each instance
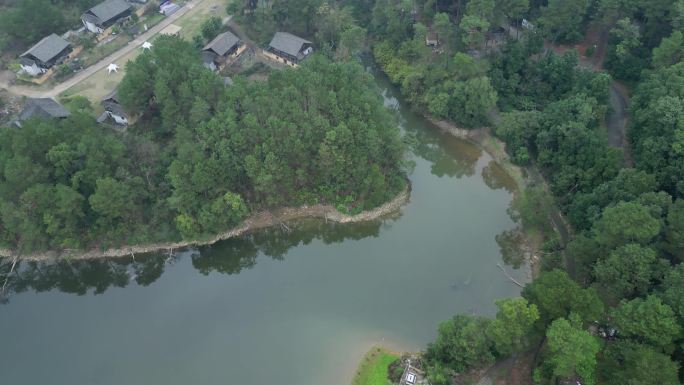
(296, 307)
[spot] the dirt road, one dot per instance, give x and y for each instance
(102, 64)
(616, 121)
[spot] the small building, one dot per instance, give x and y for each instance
(168, 8)
(431, 39)
(288, 48)
(42, 108)
(113, 109)
(527, 25)
(102, 16)
(48, 52)
(218, 51)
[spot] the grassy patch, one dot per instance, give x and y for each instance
(98, 53)
(191, 22)
(373, 368)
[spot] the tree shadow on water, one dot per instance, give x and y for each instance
(227, 257)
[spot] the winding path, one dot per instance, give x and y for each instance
(617, 120)
(88, 72)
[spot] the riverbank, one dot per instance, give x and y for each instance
(374, 366)
(490, 144)
(257, 221)
(523, 177)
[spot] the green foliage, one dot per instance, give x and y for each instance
(571, 353)
(658, 124)
(461, 344)
(672, 292)
(627, 186)
(557, 296)
(670, 51)
(211, 27)
(532, 208)
(626, 222)
(474, 31)
(518, 129)
(563, 21)
(202, 155)
(24, 24)
(54, 186)
(513, 324)
(636, 364)
(629, 271)
(648, 321)
(674, 231)
(626, 56)
(373, 368)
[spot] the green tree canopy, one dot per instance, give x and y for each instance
(647, 320)
(556, 296)
(629, 271)
(571, 353)
(626, 222)
(511, 329)
(461, 344)
(636, 364)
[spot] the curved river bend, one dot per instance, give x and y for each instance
(274, 307)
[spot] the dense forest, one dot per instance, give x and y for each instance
(201, 158)
(25, 22)
(607, 306)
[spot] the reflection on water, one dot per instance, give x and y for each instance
(293, 307)
(447, 156)
(228, 257)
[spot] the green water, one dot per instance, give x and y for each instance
(274, 307)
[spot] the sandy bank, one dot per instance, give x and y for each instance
(257, 221)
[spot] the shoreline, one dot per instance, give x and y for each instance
(484, 139)
(256, 221)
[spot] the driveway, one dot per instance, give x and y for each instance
(102, 64)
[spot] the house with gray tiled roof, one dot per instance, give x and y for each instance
(105, 14)
(289, 48)
(42, 108)
(48, 52)
(113, 109)
(215, 54)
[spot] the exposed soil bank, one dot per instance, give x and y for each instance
(257, 221)
(493, 146)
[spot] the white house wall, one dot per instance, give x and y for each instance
(33, 70)
(118, 119)
(92, 27)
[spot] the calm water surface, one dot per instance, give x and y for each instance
(274, 307)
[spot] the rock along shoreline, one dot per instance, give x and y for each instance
(257, 221)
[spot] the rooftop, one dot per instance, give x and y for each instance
(223, 43)
(48, 48)
(109, 9)
(45, 108)
(288, 43)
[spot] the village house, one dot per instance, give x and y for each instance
(113, 109)
(44, 55)
(41, 108)
(431, 39)
(288, 48)
(225, 46)
(102, 16)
